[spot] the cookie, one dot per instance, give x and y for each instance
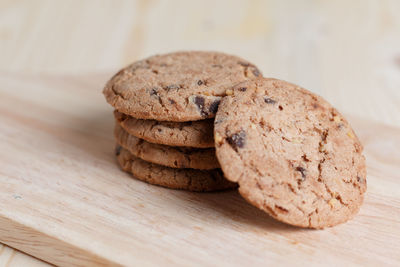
(189, 134)
(175, 157)
(187, 179)
(181, 86)
(292, 154)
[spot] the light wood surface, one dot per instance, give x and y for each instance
(65, 200)
(346, 51)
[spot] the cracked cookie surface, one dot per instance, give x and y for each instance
(174, 157)
(186, 179)
(292, 154)
(181, 86)
(189, 134)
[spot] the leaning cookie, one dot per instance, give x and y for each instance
(189, 134)
(186, 179)
(292, 154)
(175, 157)
(181, 86)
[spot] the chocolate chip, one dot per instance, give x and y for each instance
(269, 100)
(218, 121)
(199, 101)
(242, 89)
(199, 82)
(360, 179)
(256, 72)
(154, 91)
(118, 150)
(315, 105)
(214, 106)
(237, 140)
(244, 64)
(280, 108)
(159, 130)
(302, 171)
(172, 86)
(171, 101)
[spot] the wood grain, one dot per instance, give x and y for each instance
(10, 257)
(346, 51)
(65, 200)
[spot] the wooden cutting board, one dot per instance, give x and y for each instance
(64, 200)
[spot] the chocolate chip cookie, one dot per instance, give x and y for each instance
(189, 134)
(187, 179)
(175, 157)
(181, 86)
(292, 154)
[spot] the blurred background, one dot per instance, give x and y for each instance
(348, 51)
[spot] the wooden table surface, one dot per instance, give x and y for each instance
(346, 51)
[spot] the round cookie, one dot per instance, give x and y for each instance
(187, 179)
(292, 154)
(175, 157)
(189, 134)
(181, 86)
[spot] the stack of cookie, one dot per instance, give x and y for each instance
(289, 151)
(164, 110)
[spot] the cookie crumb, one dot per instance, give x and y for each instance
(296, 141)
(218, 139)
(229, 92)
(322, 148)
(337, 119)
(350, 134)
(332, 202)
